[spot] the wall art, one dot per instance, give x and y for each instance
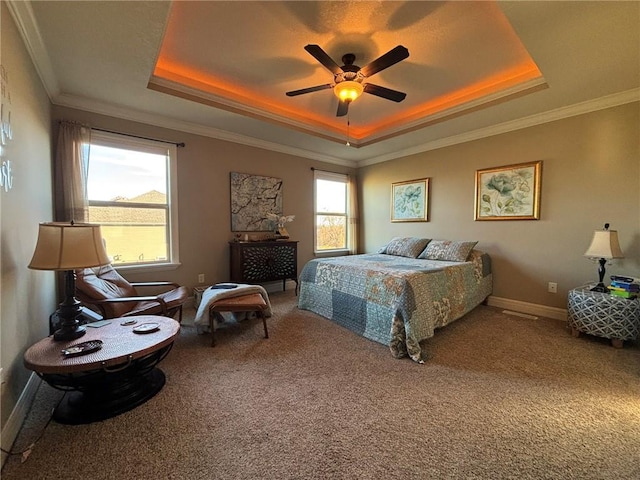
(252, 197)
(409, 201)
(511, 192)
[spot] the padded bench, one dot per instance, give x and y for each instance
(243, 303)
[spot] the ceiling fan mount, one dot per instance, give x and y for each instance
(349, 79)
(348, 59)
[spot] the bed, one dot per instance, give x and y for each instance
(400, 295)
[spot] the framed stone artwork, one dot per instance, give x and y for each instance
(252, 198)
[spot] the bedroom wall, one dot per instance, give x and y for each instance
(204, 165)
(27, 297)
(591, 175)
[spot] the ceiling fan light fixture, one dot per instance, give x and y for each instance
(348, 90)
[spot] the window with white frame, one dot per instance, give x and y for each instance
(132, 194)
(331, 210)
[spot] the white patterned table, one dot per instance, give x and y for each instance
(603, 315)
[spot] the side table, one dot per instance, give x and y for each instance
(112, 380)
(603, 315)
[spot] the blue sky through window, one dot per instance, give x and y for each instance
(116, 172)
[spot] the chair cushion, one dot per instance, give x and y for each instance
(173, 298)
(100, 283)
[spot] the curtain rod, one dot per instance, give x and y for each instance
(177, 144)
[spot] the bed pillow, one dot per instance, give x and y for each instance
(447, 250)
(406, 246)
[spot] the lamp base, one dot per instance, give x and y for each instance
(66, 333)
(69, 311)
(600, 287)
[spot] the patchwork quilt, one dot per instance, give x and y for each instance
(396, 301)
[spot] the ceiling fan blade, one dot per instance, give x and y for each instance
(383, 92)
(343, 108)
(309, 90)
(392, 57)
(322, 56)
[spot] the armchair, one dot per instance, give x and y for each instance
(104, 288)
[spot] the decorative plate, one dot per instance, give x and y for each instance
(146, 328)
(82, 348)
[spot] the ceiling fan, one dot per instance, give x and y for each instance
(349, 79)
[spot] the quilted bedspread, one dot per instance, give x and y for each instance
(393, 300)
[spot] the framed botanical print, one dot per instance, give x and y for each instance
(511, 192)
(410, 201)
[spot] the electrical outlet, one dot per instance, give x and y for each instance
(201, 278)
(553, 287)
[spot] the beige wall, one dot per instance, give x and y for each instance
(204, 165)
(27, 296)
(590, 163)
(591, 175)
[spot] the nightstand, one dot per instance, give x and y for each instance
(603, 315)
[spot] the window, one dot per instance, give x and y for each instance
(331, 232)
(131, 191)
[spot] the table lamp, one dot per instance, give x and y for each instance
(67, 247)
(604, 246)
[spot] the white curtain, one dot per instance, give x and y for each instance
(353, 214)
(71, 169)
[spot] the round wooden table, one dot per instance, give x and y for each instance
(112, 380)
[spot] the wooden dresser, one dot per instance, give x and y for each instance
(258, 262)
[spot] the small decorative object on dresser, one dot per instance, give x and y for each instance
(603, 315)
(279, 222)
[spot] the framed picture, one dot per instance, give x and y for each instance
(252, 198)
(409, 201)
(511, 192)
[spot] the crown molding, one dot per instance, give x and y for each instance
(25, 20)
(245, 108)
(111, 110)
(22, 14)
(470, 106)
(609, 101)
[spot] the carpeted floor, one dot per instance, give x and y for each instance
(501, 397)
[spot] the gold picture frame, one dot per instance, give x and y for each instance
(510, 192)
(410, 201)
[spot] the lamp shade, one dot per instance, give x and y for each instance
(604, 245)
(68, 246)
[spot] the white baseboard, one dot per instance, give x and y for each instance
(530, 308)
(19, 413)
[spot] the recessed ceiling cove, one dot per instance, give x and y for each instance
(244, 57)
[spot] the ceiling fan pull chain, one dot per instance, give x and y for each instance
(348, 125)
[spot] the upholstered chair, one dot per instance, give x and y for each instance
(105, 289)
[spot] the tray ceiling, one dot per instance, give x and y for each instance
(222, 68)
